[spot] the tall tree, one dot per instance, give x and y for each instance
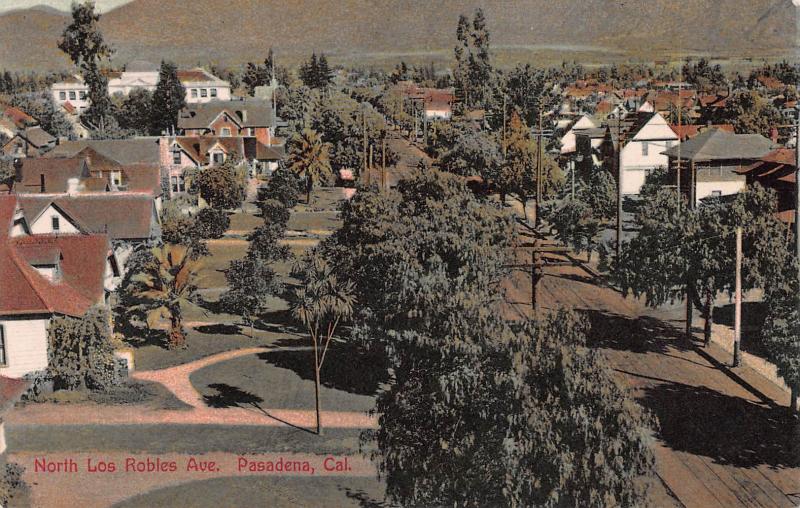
(83, 42)
(309, 156)
(168, 99)
(136, 112)
(251, 281)
(164, 286)
(781, 332)
(321, 302)
(537, 416)
(219, 186)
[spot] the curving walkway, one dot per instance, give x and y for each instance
(176, 380)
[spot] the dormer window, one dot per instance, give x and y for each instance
(218, 157)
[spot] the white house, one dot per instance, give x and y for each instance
(643, 151)
(200, 85)
(569, 140)
(43, 276)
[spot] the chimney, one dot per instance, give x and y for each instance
(42, 188)
(72, 186)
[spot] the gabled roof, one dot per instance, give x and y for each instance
(685, 132)
(122, 215)
(248, 113)
(123, 151)
(57, 173)
(36, 136)
(19, 118)
(718, 144)
(96, 160)
(81, 258)
(198, 75)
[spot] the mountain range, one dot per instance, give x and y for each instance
(230, 32)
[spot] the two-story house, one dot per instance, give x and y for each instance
(642, 150)
(249, 118)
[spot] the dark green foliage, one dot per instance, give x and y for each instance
(316, 73)
(219, 185)
(704, 75)
(41, 107)
(212, 223)
(781, 331)
(283, 186)
(8, 172)
(136, 112)
(475, 153)
(80, 353)
(250, 282)
(599, 192)
(690, 252)
(529, 93)
(473, 75)
(182, 229)
(264, 243)
(750, 113)
(168, 99)
(274, 212)
(530, 404)
(576, 225)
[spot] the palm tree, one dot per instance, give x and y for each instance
(310, 156)
(320, 303)
(166, 284)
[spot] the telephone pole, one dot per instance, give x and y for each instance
(737, 313)
(619, 188)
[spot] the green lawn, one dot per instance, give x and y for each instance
(283, 379)
(314, 222)
(272, 491)
(186, 439)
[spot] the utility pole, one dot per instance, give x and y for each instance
(737, 313)
(505, 149)
(383, 163)
(364, 130)
(797, 188)
(619, 188)
(539, 167)
(572, 171)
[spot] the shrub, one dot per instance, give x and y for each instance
(274, 212)
(11, 483)
(284, 186)
(211, 223)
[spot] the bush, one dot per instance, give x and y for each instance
(11, 483)
(211, 223)
(274, 212)
(284, 186)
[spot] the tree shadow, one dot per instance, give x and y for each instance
(230, 396)
(364, 499)
(140, 336)
(730, 430)
(219, 329)
(280, 321)
(347, 367)
(643, 334)
(212, 306)
(753, 316)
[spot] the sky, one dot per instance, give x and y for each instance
(102, 5)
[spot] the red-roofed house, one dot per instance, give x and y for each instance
(42, 277)
(776, 171)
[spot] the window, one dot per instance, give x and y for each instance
(645, 148)
(82, 95)
(62, 96)
(203, 92)
(181, 184)
(115, 177)
(3, 357)
(226, 131)
(72, 95)
(176, 157)
(218, 157)
(174, 181)
(194, 93)
(56, 223)
(716, 194)
(213, 92)
(250, 131)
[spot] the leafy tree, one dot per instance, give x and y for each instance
(316, 73)
(519, 159)
(529, 93)
(212, 223)
(264, 243)
(690, 252)
(168, 99)
(255, 75)
(310, 156)
(136, 111)
(219, 186)
(42, 107)
(83, 42)
(473, 74)
(475, 153)
(181, 228)
(576, 225)
(80, 352)
(251, 281)
(320, 303)
(8, 172)
(165, 286)
(274, 212)
(283, 186)
(599, 192)
(540, 417)
(749, 113)
(781, 333)
(704, 75)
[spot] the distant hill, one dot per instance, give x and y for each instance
(234, 31)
